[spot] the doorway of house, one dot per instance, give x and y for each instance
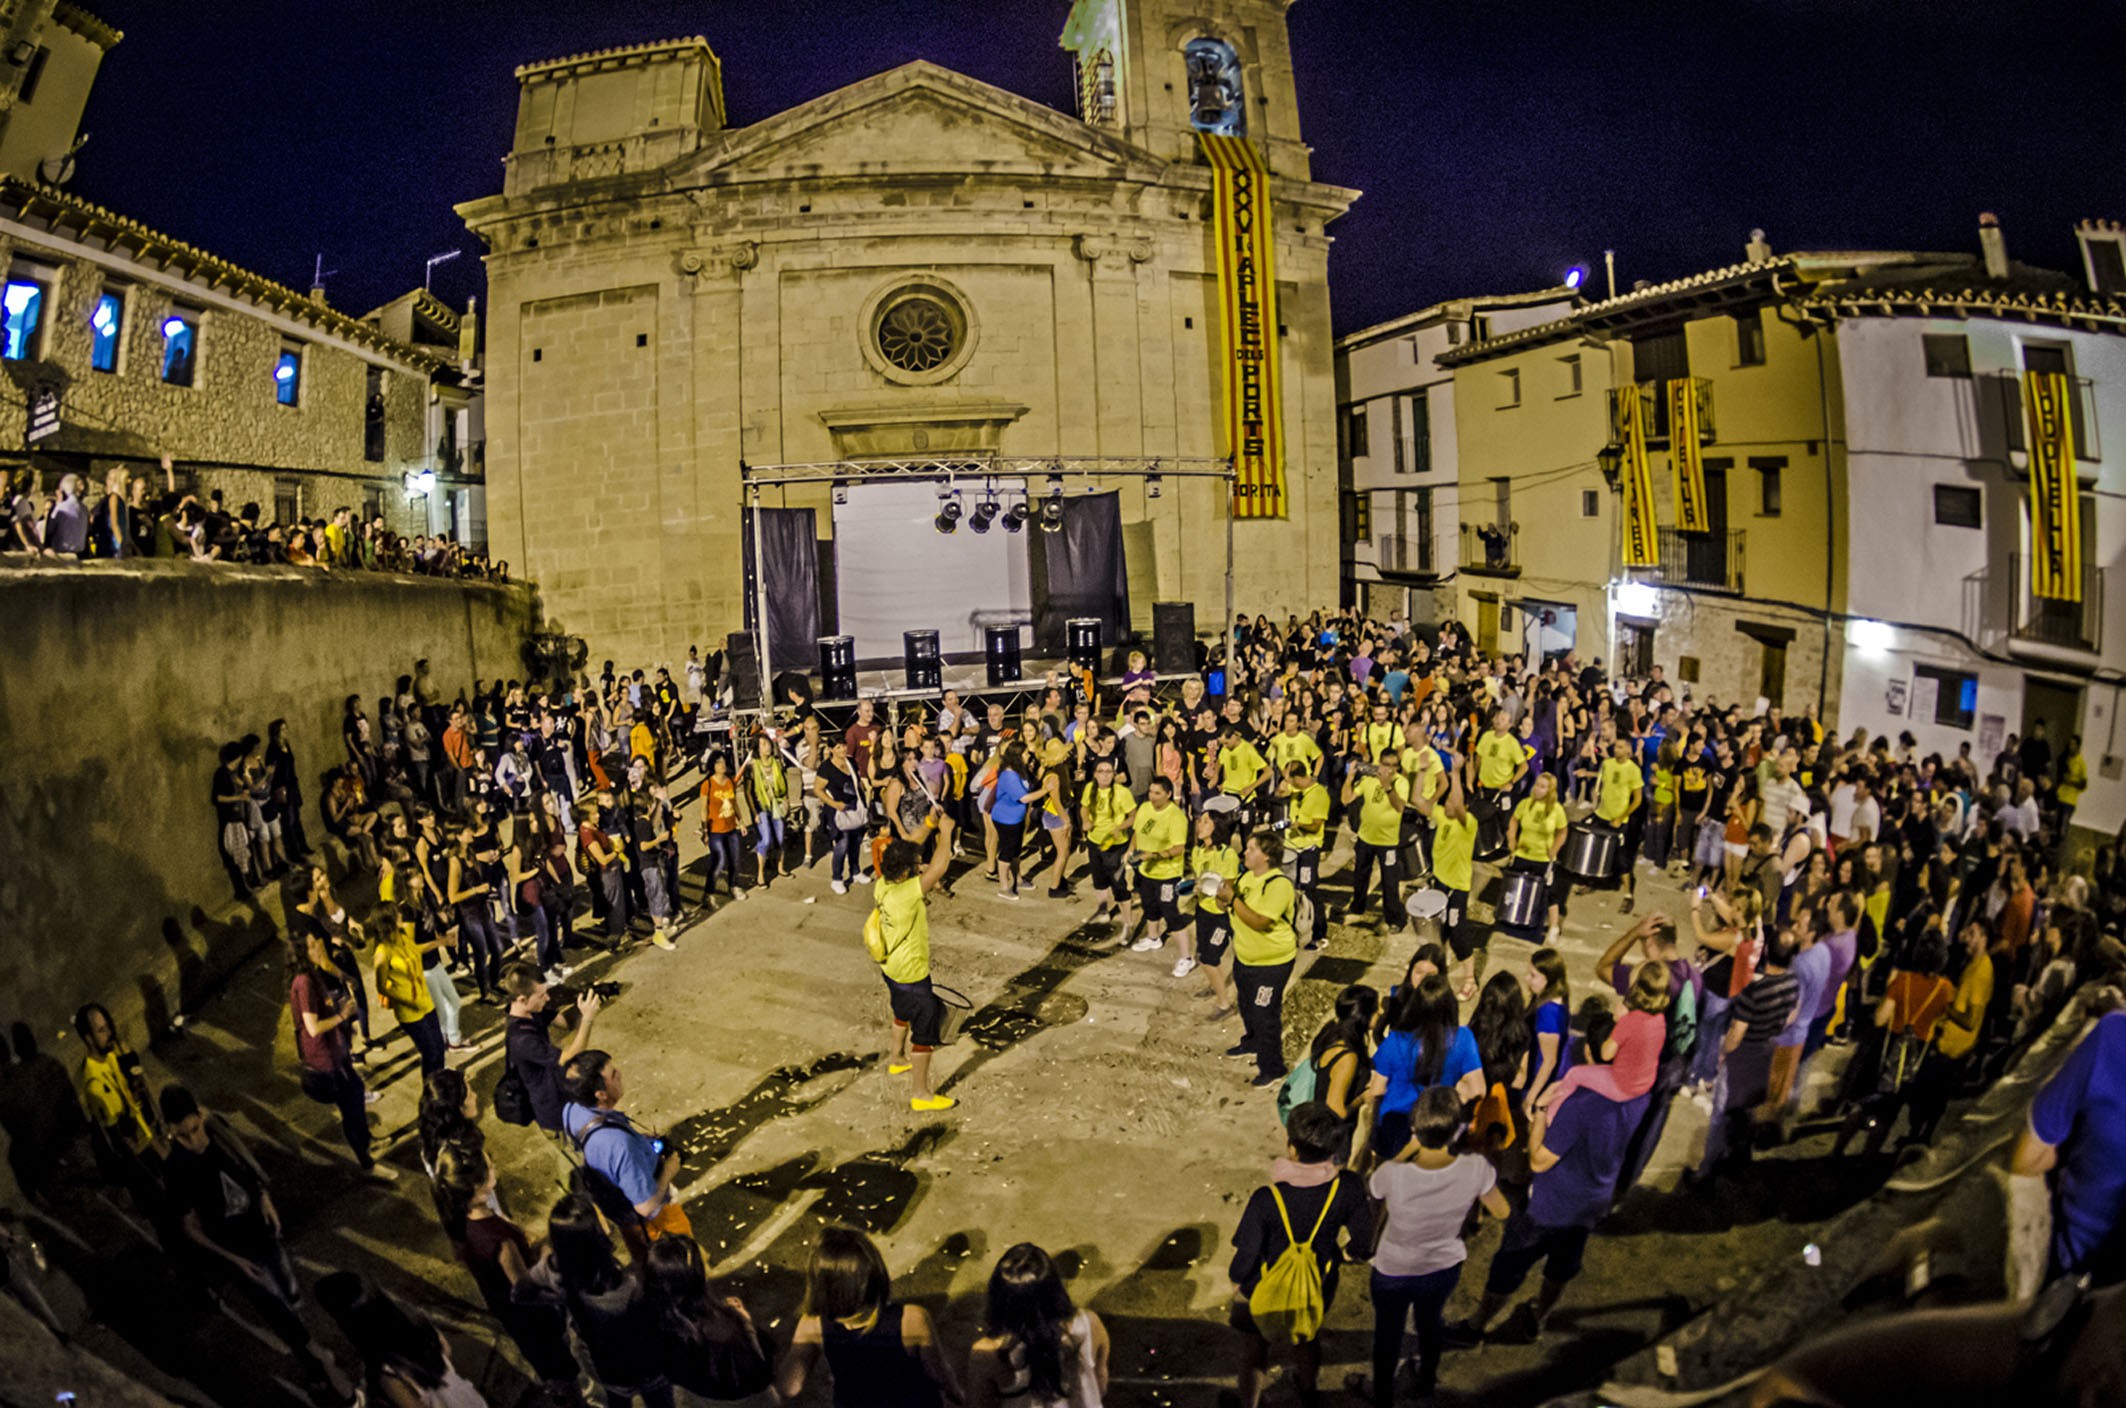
(2059, 705)
(1635, 649)
(1487, 626)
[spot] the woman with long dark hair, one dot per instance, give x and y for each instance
(1549, 1023)
(1037, 1348)
(1342, 1052)
(468, 892)
(883, 1353)
(404, 1361)
(1425, 1045)
(608, 1307)
(1500, 1026)
(711, 1347)
(449, 1113)
(499, 1257)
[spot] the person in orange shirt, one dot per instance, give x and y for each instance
(2016, 914)
(719, 824)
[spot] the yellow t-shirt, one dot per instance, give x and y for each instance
(1382, 736)
(1454, 851)
(1380, 821)
(1272, 897)
(399, 977)
(1540, 823)
(1108, 814)
(1159, 830)
(1239, 766)
(1427, 774)
(1614, 787)
(905, 920)
(1289, 748)
(108, 1096)
(1973, 994)
(1226, 862)
(1308, 813)
(1498, 755)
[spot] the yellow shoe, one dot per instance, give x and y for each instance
(935, 1102)
(898, 1068)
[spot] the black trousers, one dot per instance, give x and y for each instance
(1389, 858)
(1307, 864)
(1261, 994)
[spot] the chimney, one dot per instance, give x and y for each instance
(1993, 245)
(469, 332)
(1759, 249)
(317, 294)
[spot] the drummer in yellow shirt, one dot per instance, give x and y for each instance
(1535, 835)
(1306, 818)
(1382, 794)
(1501, 762)
(1427, 775)
(1242, 770)
(1620, 803)
(1454, 872)
(1380, 734)
(1212, 856)
(1264, 950)
(1158, 841)
(1293, 744)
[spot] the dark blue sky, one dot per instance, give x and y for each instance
(1497, 142)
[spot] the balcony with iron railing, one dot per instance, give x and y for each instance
(1405, 555)
(1491, 550)
(2001, 611)
(1707, 561)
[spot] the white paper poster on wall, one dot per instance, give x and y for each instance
(1992, 729)
(895, 572)
(1893, 696)
(1926, 690)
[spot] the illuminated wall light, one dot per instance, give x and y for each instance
(1875, 637)
(173, 327)
(1575, 276)
(1635, 598)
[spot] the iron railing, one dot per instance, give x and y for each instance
(1491, 549)
(1708, 561)
(1396, 552)
(2069, 625)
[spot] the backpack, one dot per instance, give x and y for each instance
(875, 935)
(602, 1191)
(511, 1102)
(1287, 1303)
(1298, 1088)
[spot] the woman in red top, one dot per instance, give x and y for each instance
(719, 825)
(1906, 1022)
(499, 1256)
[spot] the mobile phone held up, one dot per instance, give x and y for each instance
(657, 1146)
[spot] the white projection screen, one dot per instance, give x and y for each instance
(895, 572)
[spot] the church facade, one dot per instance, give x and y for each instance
(919, 264)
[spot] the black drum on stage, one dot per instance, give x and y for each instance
(1082, 643)
(1001, 651)
(919, 653)
(837, 667)
(1523, 902)
(1592, 850)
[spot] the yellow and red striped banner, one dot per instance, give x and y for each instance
(1642, 539)
(1692, 514)
(1247, 298)
(2055, 496)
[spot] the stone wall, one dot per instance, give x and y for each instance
(122, 681)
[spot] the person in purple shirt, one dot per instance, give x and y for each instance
(1842, 945)
(1811, 969)
(2077, 1132)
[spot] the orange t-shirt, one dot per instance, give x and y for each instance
(719, 803)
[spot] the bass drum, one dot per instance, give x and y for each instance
(1523, 902)
(1591, 851)
(1491, 821)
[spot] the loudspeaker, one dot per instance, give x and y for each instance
(745, 670)
(837, 667)
(1082, 643)
(919, 656)
(1001, 652)
(1174, 637)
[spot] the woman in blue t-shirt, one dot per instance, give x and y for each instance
(1007, 809)
(1549, 1024)
(1425, 1045)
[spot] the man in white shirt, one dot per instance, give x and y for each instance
(2021, 816)
(1867, 815)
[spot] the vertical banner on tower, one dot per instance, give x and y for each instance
(1247, 297)
(2055, 497)
(1691, 513)
(1642, 544)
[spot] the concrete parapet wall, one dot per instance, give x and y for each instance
(118, 684)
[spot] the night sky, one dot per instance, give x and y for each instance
(1496, 142)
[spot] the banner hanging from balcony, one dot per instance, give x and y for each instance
(1642, 540)
(2055, 497)
(1247, 297)
(1692, 515)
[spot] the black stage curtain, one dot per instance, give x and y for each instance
(1078, 571)
(789, 547)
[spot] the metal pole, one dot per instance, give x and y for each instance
(760, 605)
(1225, 627)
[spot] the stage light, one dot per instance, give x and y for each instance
(948, 517)
(1052, 513)
(841, 492)
(1152, 486)
(985, 513)
(1575, 276)
(1015, 516)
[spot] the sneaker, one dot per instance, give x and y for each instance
(1059, 892)
(1183, 966)
(1007, 894)
(663, 941)
(863, 877)
(1265, 1079)
(370, 1097)
(838, 887)
(1316, 944)
(1240, 1052)
(1147, 944)
(1220, 1013)
(381, 1173)
(740, 894)
(556, 975)
(898, 1068)
(934, 1102)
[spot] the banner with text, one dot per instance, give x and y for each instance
(1642, 543)
(2055, 497)
(1692, 515)
(1247, 295)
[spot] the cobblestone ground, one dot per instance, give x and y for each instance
(1097, 1119)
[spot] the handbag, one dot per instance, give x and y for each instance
(512, 1101)
(849, 818)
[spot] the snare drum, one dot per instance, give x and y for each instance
(1591, 850)
(1427, 904)
(1491, 821)
(1523, 902)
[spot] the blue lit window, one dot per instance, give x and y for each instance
(1215, 88)
(21, 314)
(180, 348)
(104, 326)
(288, 377)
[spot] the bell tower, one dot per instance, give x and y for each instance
(1157, 72)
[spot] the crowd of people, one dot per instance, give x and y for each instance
(1911, 911)
(133, 518)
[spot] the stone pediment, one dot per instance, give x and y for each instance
(913, 120)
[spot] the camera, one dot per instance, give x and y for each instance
(606, 991)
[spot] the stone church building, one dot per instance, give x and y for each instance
(917, 264)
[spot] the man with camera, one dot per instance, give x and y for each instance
(629, 1173)
(528, 1045)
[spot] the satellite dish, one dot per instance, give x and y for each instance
(58, 170)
